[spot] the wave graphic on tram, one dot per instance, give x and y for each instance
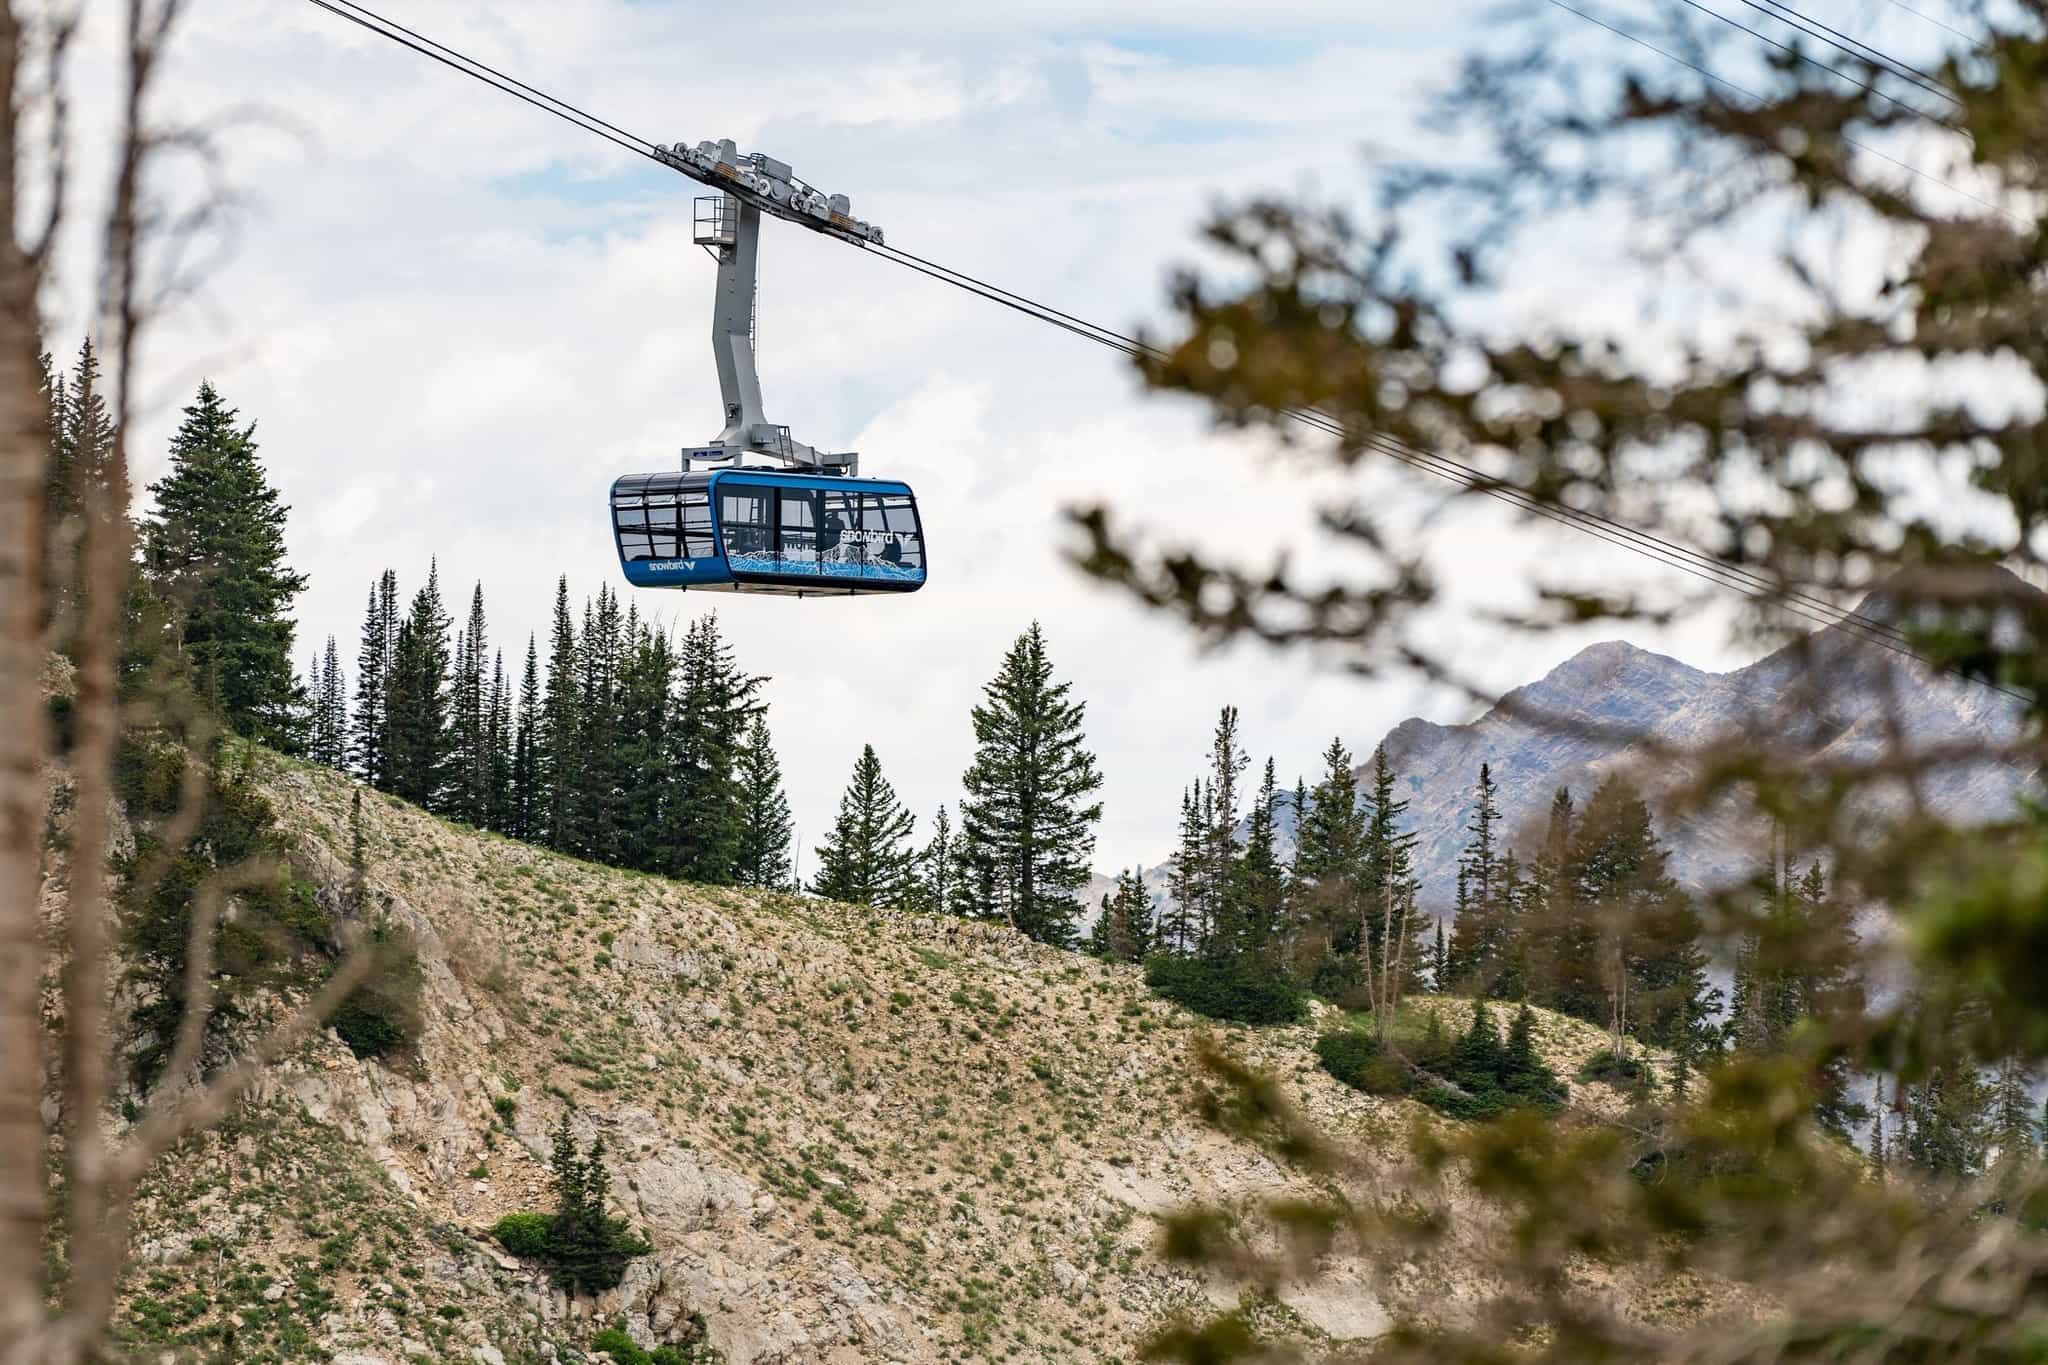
(762, 531)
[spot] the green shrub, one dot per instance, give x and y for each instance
(1241, 990)
(584, 1248)
(616, 1344)
(524, 1234)
(1475, 1075)
(1626, 1074)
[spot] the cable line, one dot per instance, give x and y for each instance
(1798, 56)
(1854, 48)
(1697, 563)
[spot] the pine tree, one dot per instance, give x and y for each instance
(371, 744)
(558, 757)
(215, 546)
(80, 463)
(715, 712)
(1123, 930)
(470, 756)
(1946, 1130)
(498, 747)
(644, 787)
(599, 760)
(1258, 882)
(1179, 931)
(765, 826)
(1026, 821)
(1329, 869)
(1221, 914)
(2012, 1130)
(330, 710)
(1478, 937)
(938, 890)
(866, 860)
(417, 700)
(525, 821)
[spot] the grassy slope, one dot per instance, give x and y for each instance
(929, 1139)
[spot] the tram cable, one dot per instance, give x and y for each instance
(1697, 563)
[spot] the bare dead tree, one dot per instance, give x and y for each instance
(67, 1322)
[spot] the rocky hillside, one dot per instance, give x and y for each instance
(849, 1135)
(1604, 710)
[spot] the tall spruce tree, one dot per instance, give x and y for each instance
(498, 743)
(938, 869)
(1179, 927)
(214, 546)
(370, 745)
(1258, 882)
(328, 742)
(646, 789)
(1027, 820)
(559, 764)
(714, 716)
(525, 820)
(765, 833)
(1221, 912)
(1329, 870)
(1479, 934)
(417, 700)
(866, 859)
(1123, 930)
(469, 764)
(81, 454)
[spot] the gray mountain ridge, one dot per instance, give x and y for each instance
(1616, 708)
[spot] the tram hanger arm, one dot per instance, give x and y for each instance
(770, 186)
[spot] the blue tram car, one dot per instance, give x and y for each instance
(764, 531)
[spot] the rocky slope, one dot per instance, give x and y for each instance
(850, 1136)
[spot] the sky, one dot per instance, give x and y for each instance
(455, 321)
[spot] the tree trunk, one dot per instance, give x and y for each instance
(24, 450)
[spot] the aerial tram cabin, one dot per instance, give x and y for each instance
(806, 525)
(765, 531)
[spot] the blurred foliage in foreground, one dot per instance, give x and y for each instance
(1833, 379)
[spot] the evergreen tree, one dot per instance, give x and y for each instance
(371, 748)
(558, 767)
(470, 757)
(600, 763)
(1329, 870)
(1123, 931)
(1946, 1130)
(1258, 882)
(938, 889)
(1479, 935)
(765, 825)
(1388, 923)
(80, 460)
(498, 747)
(866, 860)
(715, 711)
(1179, 930)
(417, 700)
(643, 787)
(330, 710)
(525, 820)
(2012, 1133)
(1220, 913)
(215, 547)
(1026, 820)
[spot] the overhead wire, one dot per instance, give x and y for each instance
(1866, 86)
(1684, 559)
(1697, 563)
(1854, 48)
